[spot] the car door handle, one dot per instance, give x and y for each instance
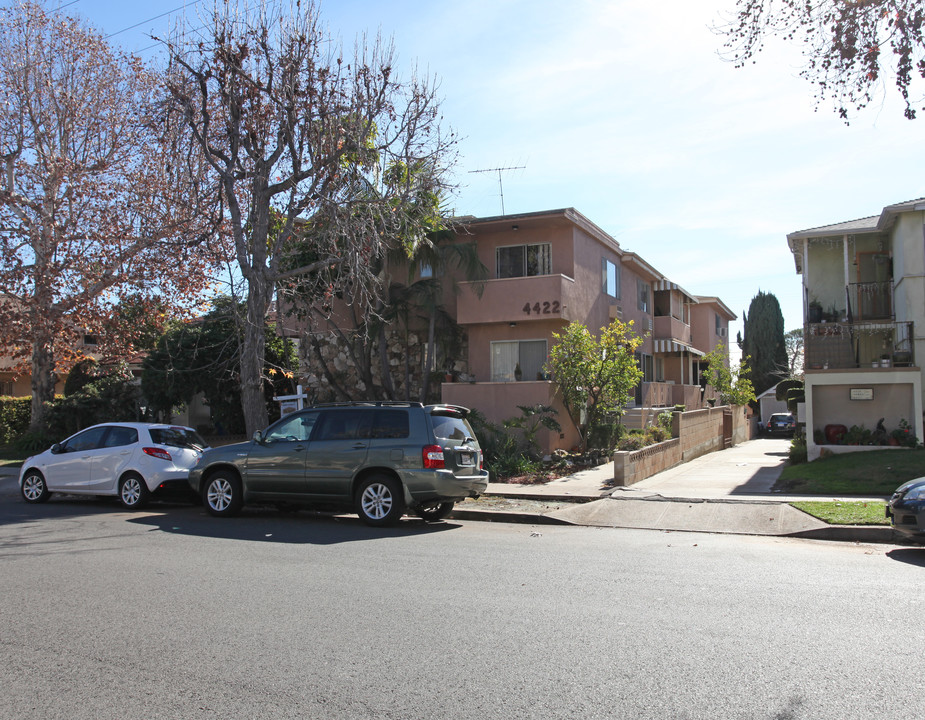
(359, 446)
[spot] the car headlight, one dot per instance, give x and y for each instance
(916, 493)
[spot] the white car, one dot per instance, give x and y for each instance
(129, 460)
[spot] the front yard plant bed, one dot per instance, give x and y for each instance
(845, 513)
(878, 472)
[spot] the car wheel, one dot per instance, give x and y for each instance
(380, 501)
(133, 492)
(223, 495)
(34, 489)
(433, 513)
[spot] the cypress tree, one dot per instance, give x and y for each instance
(763, 347)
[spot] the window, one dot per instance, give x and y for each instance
(120, 436)
(645, 364)
(529, 356)
(451, 427)
(643, 289)
(719, 323)
(390, 424)
(91, 340)
(426, 271)
(6, 388)
(524, 260)
(611, 278)
(344, 425)
(87, 440)
(177, 437)
(294, 428)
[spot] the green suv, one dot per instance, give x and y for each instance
(383, 458)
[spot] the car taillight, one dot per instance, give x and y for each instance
(433, 457)
(157, 452)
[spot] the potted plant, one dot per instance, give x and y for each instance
(815, 311)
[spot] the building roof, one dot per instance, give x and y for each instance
(862, 226)
(525, 220)
(720, 305)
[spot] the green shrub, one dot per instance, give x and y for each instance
(15, 414)
(633, 441)
(797, 450)
(665, 421)
(656, 434)
(82, 374)
(33, 442)
(604, 436)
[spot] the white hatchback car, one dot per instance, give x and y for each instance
(129, 460)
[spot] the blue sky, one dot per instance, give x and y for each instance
(625, 111)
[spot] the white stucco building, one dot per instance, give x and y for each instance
(864, 319)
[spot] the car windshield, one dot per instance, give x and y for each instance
(180, 437)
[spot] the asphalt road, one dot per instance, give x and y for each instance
(174, 614)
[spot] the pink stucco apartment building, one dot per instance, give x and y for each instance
(550, 268)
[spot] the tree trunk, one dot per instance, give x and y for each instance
(253, 349)
(43, 375)
(43, 354)
(429, 363)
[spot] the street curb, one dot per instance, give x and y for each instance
(856, 533)
(507, 516)
(876, 534)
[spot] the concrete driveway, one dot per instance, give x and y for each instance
(750, 468)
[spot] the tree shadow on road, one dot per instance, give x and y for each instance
(910, 556)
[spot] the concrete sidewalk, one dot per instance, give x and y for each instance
(728, 491)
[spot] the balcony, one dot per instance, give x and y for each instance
(874, 300)
(521, 299)
(670, 328)
(842, 345)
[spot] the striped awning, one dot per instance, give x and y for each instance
(673, 346)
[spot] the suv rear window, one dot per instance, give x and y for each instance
(177, 437)
(448, 427)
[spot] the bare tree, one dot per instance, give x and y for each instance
(93, 196)
(851, 46)
(318, 157)
(793, 341)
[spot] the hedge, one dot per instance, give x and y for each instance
(15, 414)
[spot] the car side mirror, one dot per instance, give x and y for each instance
(258, 437)
(56, 449)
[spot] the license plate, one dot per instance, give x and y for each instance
(465, 458)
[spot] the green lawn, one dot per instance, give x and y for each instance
(854, 512)
(878, 472)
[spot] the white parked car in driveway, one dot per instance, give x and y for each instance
(132, 461)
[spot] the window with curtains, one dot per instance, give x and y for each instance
(508, 356)
(523, 260)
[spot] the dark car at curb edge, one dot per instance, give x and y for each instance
(380, 458)
(906, 509)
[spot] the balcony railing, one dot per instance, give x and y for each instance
(873, 300)
(858, 345)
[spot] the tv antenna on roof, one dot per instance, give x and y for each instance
(500, 170)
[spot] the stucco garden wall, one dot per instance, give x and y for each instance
(696, 433)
